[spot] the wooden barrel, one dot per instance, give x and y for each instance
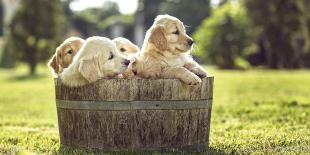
(135, 114)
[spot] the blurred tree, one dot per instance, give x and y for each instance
(86, 22)
(222, 2)
(284, 29)
(225, 38)
(109, 25)
(89, 20)
(7, 59)
(306, 57)
(1, 18)
(150, 10)
(35, 30)
(67, 10)
(190, 12)
(109, 9)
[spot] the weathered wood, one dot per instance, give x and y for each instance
(136, 114)
(136, 90)
(74, 127)
(204, 126)
(87, 92)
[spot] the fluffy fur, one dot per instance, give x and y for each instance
(166, 53)
(126, 47)
(97, 58)
(64, 54)
(68, 49)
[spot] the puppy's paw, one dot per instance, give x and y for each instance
(201, 73)
(119, 76)
(128, 74)
(191, 79)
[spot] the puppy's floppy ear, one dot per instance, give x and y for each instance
(89, 69)
(157, 37)
(54, 65)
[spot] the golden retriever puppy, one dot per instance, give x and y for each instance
(97, 58)
(68, 49)
(166, 53)
(64, 54)
(129, 50)
(126, 47)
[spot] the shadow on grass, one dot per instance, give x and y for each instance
(26, 77)
(64, 150)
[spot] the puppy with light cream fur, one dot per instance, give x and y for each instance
(68, 49)
(97, 58)
(126, 47)
(166, 53)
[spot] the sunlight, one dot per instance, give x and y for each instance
(126, 7)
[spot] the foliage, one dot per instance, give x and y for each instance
(1, 18)
(245, 118)
(150, 10)
(66, 9)
(225, 38)
(185, 10)
(189, 12)
(284, 30)
(126, 21)
(100, 21)
(35, 29)
(89, 21)
(7, 58)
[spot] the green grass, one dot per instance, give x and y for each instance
(258, 111)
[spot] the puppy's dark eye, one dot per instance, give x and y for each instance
(111, 56)
(123, 49)
(177, 32)
(70, 51)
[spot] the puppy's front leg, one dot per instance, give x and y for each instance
(181, 73)
(195, 68)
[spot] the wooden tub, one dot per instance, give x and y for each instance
(136, 114)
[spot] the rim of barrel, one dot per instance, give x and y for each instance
(57, 79)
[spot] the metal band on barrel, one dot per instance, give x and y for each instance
(133, 105)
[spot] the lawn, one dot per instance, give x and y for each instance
(257, 111)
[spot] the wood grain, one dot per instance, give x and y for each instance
(176, 117)
(136, 89)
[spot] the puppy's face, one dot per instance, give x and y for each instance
(113, 62)
(168, 34)
(65, 53)
(126, 47)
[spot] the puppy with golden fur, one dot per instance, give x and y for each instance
(69, 48)
(64, 54)
(126, 47)
(97, 58)
(166, 53)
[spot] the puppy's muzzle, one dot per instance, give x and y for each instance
(126, 62)
(190, 42)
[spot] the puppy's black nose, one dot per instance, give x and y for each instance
(190, 42)
(126, 62)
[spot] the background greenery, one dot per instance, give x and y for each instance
(228, 37)
(254, 111)
(256, 108)
(245, 33)
(234, 34)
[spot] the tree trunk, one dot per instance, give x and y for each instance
(32, 68)
(32, 61)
